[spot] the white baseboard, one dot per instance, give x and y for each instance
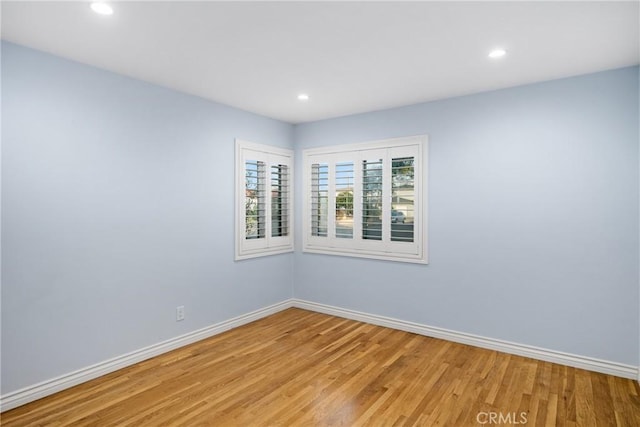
(576, 361)
(54, 385)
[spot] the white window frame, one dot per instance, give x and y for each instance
(384, 249)
(267, 245)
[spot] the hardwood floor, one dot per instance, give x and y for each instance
(299, 368)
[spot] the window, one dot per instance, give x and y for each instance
(367, 200)
(264, 192)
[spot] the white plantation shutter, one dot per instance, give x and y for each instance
(319, 199)
(280, 193)
(344, 204)
(367, 200)
(255, 196)
(264, 200)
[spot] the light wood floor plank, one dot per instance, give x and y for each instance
(299, 368)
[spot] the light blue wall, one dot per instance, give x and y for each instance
(117, 206)
(533, 217)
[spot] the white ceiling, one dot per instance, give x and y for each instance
(349, 57)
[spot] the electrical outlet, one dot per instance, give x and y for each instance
(179, 313)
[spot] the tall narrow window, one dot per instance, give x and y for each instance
(263, 200)
(279, 200)
(372, 205)
(344, 200)
(254, 200)
(319, 199)
(372, 199)
(402, 199)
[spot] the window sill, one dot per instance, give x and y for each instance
(410, 258)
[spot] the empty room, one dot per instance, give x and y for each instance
(320, 213)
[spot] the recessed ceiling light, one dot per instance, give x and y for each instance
(303, 97)
(101, 8)
(497, 53)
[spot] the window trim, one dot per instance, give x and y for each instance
(364, 248)
(269, 245)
